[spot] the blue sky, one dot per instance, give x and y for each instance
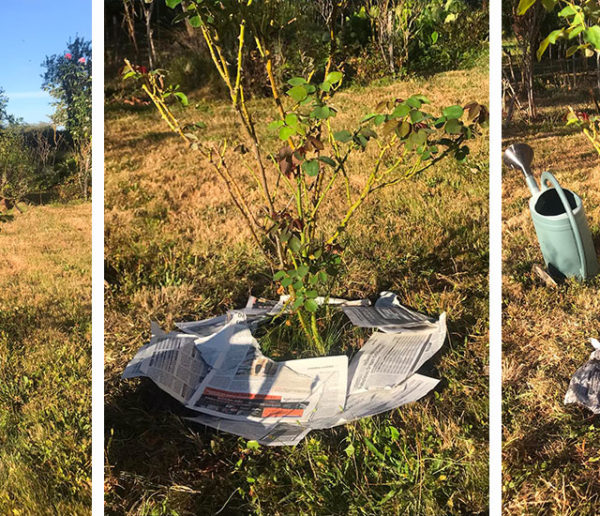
(30, 30)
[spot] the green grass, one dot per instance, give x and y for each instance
(551, 451)
(177, 250)
(45, 384)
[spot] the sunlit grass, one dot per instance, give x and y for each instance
(45, 381)
(551, 451)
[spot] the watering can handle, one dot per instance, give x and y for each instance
(547, 176)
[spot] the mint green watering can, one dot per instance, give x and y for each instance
(559, 220)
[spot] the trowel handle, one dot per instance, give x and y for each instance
(547, 176)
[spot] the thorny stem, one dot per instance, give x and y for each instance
(238, 100)
(364, 193)
(316, 336)
(305, 329)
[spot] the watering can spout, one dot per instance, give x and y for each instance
(520, 156)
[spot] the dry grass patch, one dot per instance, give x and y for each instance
(552, 451)
(45, 381)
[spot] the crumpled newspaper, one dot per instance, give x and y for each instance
(584, 388)
(215, 368)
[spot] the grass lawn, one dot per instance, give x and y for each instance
(176, 249)
(45, 357)
(551, 451)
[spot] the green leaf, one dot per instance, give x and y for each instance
(310, 305)
(453, 126)
(592, 36)
(523, 6)
(549, 5)
(416, 116)
(291, 119)
(252, 445)
(298, 303)
(453, 112)
(311, 167)
(414, 102)
(567, 11)
(368, 133)
(327, 160)
(422, 98)
(302, 271)
(334, 77)
(401, 111)
(321, 113)
(294, 244)
(349, 450)
(379, 119)
(342, 136)
(182, 98)
(275, 124)
(279, 275)
(325, 86)
(571, 50)
(286, 282)
(462, 153)
(195, 21)
(297, 81)
(434, 37)
(550, 39)
(403, 129)
(173, 3)
(370, 116)
(286, 132)
(311, 294)
(298, 93)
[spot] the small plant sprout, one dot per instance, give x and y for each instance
(309, 169)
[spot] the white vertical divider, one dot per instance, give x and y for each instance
(97, 257)
(495, 237)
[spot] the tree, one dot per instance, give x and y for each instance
(527, 27)
(3, 104)
(68, 78)
(395, 24)
(17, 167)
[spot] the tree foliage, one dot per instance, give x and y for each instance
(68, 78)
(17, 165)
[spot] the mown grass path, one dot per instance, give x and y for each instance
(45, 357)
(176, 249)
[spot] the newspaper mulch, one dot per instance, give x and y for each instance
(584, 388)
(215, 367)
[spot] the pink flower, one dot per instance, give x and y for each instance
(68, 56)
(81, 60)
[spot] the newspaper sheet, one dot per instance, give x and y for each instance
(215, 367)
(386, 318)
(260, 389)
(276, 434)
(172, 362)
(389, 358)
(227, 348)
(372, 402)
(584, 387)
